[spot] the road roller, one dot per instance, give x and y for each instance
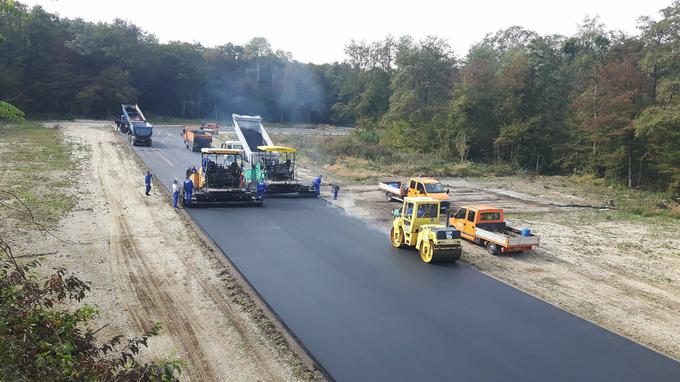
(416, 225)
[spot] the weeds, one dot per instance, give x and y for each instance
(36, 165)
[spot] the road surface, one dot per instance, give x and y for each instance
(368, 312)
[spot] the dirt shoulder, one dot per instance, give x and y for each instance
(619, 273)
(147, 263)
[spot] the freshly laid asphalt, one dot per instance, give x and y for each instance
(368, 312)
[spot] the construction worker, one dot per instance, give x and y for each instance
(175, 193)
(261, 189)
(336, 191)
(147, 182)
(193, 169)
(317, 185)
(188, 190)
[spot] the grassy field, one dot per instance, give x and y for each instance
(358, 161)
(361, 162)
(36, 165)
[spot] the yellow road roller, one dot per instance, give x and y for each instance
(416, 224)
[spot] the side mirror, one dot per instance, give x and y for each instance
(447, 190)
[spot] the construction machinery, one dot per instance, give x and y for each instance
(274, 165)
(219, 181)
(417, 225)
(418, 186)
(486, 226)
(195, 138)
(133, 123)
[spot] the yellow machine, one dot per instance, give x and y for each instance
(416, 225)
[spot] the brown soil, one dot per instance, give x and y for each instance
(147, 263)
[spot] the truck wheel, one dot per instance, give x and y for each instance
(493, 249)
(427, 251)
(388, 196)
(397, 237)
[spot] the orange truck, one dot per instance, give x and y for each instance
(195, 139)
(486, 226)
(418, 186)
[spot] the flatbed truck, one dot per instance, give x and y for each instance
(486, 226)
(419, 186)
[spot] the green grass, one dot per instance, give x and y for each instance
(36, 165)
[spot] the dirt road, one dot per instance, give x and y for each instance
(147, 265)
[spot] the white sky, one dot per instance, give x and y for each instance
(317, 30)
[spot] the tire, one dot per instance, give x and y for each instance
(388, 196)
(493, 249)
(427, 252)
(397, 238)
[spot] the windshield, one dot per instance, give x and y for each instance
(434, 187)
(489, 216)
(428, 210)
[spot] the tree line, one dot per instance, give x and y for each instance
(600, 102)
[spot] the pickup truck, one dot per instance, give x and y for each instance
(419, 186)
(195, 139)
(486, 226)
(211, 128)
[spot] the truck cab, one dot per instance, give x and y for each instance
(417, 225)
(196, 139)
(486, 225)
(416, 187)
(431, 187)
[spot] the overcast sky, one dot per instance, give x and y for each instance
(317, 30)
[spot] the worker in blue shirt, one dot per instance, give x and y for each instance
(261, 189)
(188, 190)
(147, 182)
(175, 193)
(317, 185)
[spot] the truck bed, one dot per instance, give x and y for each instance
(510, 237)
(391, 188)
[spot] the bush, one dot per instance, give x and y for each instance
(42, 340)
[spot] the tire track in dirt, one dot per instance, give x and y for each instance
(216, 297)
(153, 295)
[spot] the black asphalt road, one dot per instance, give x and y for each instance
(368, 312)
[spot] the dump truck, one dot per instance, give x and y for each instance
(134, 124)
(486, 226)
(219, 181)
(417, 225)
(418, 186)
(211, 128)
(274, 165)
(196, 139)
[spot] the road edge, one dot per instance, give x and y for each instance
(263, 310)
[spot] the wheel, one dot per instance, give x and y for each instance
(397, 238)
(388, 196)
(427, 251)
(493, 249)
(192, 148)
